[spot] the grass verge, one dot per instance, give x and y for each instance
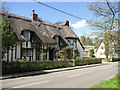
(112, 83)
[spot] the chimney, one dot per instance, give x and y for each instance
(67, 23)
(34, 16)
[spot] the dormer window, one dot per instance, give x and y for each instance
(57, 39)
(26, 35)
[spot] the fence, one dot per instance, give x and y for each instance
(18, 67)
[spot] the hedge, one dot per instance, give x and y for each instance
(87, 62)
(18, 67)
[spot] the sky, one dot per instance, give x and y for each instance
(79, 9)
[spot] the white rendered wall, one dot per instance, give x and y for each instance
(10, 52)
(80, 49)
(34, 54)
(100, 52)
(18, 50)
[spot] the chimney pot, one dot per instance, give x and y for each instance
(67, 23)
(34, 16)
(33, 10)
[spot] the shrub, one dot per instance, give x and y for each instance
(44, 55)
(26, 66)
(92, 53)
(77, 58)
(58, 54)
(77, 53)
(16, 60)
(66, 53)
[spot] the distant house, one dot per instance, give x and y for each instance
(87, 50)
(100, 52)
(36, 37)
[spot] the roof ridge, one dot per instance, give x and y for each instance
(14, 15)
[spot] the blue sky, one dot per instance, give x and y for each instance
(80, 27)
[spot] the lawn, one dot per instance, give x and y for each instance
(112, 83)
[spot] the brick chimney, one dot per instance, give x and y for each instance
(66, 22)
(34, 16)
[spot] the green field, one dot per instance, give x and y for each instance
(112, 83)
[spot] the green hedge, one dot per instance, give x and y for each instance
(115, 59)
(87, 62)
(18, 67)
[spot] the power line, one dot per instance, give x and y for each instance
(58, 10)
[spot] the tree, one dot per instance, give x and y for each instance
(3, 7)
(91, 53)
(105, 21)
(8, 38)
(43, 55)
(66, 53)
(77, 53)
(39, 18)
(58, 54)
(86, 40)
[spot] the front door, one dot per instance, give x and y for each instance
(51, 54)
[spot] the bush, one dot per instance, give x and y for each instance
(91, 53)
(44, 55)
(77, 53)
(27, 66)
(77, 58)
(19, 66)
(66, 53)
(16, 60)
(58, 54)
(90, 58)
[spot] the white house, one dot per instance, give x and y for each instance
(36, 37)
(100, 52)
(87, 50)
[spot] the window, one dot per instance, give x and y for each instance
(102, 47)
(26, 35)
(27, 52)
(57, 41)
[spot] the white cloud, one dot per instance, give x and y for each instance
(79, 24)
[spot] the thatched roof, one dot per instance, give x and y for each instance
(44, 30)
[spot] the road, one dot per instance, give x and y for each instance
(78, 78)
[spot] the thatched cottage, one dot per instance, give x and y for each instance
(36, 37)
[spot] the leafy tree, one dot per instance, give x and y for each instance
(67, 53)
(77, 54)
(92, 53)
(8, 38)
(86, 40)
(58, 54)
(97, 42)
(39, 18)
(105, 21)
(3, 7)
(43, 55)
